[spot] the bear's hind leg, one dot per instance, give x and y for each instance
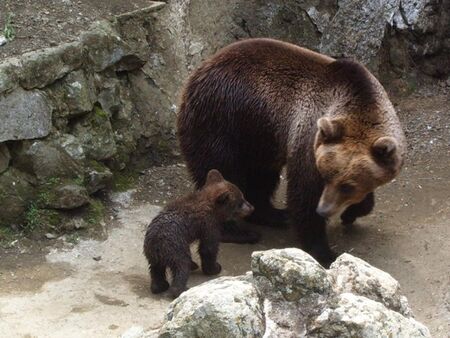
(354, 211)
(180, 271)
(158, 275)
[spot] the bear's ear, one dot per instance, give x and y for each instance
(385, 148)
(214, 176)
(329, 129)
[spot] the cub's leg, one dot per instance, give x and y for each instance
(181, 269)
(158, 278)
(208, 250)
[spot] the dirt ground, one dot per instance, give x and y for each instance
(98, 288)
(44, 23)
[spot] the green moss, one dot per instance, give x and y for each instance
(96, 166)
(123, 181)
(100, 112)
(96, 212)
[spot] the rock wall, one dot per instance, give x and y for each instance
(288, 294)
(73, 115)
(395, 38)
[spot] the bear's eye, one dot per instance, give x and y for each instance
(346, 188)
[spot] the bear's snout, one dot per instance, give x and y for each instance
(325, 210)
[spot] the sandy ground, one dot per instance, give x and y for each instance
(101, 288)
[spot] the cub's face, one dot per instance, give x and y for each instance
(228, 201)
(351, 168)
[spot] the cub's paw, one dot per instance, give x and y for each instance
(212, 270)
(158, 287)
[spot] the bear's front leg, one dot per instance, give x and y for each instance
(208, 250)
(314, 239)
(360, 209)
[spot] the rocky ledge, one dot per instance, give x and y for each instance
(288, 294)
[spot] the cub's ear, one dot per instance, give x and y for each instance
(223, 198)
(329, 129)
(385, 148)
(214, 176)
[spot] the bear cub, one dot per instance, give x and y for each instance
(197, 216)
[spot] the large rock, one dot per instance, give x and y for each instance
(358, 28)
(356, 316)
(96, 135)
(288, 294)
(41, 68)
(74, 95)
(97, 177)
(292, 272)
(24, 115)
(226, 307)
(105, 47)
(68, 196)
(47, 160)
(72, 146)
(8, 74)
(351, 274)
(16, 194)
(4, 157)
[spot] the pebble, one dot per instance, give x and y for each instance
(3, 40)
(50, 235)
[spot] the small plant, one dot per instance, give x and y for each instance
(8, 31)
(32, 217)
(96, 212)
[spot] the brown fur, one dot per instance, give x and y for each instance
(197, 216)
(260, 104)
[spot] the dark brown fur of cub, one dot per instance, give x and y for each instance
(197, 216)
(260, 104)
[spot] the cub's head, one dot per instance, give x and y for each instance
(351, 165)
(227, 200)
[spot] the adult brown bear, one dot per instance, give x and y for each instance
(260, 104)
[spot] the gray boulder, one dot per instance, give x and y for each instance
(24, 115)
(351, 274)
(74, 95)
(41, 68)
(288, 294)
(16, 194)
(97, 177)
(358, 28)
(47, 160)
(67, 196)
(357, 316)
(292, 272)
(225, 307)
(96, 135)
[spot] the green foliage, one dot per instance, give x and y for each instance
(32, 219)
(96, 212)
(123, 181)
(8, 30)
(43, 219)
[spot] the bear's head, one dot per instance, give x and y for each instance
(226, 199)
(352, 164)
